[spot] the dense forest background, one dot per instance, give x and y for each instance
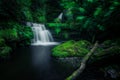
(77, 24)
(82, 19)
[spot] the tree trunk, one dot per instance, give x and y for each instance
(83, 64)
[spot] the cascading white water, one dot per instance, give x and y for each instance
(41, 35)
(60, 16)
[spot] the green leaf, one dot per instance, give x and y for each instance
(81, 9)
(90, 1)
(80, 17)
(97, 11)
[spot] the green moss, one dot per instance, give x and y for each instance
(82, 43)
(71, 48)
(60, 50)
(82, 47)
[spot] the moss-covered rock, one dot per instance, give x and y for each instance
(81, 48)
(60, 50)
(71, 48)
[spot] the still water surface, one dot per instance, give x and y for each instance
(33, 63)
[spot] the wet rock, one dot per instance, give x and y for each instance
(71, 61)
(112, 72)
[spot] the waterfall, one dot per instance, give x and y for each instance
(60, 16)
(42, 36)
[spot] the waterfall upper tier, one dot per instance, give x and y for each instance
(60, 16)
(42, 36)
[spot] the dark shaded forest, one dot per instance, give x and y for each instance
(76, 24)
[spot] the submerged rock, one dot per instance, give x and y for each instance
(111, 72)
(71, 61)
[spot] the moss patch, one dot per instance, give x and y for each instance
(71, 48)
(81, 48)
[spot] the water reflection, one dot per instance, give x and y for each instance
(33, 63)
(41, 57)
(41, 61)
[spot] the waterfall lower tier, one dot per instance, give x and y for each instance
(42, 36)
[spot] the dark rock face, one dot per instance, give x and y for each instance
(111, 72)
(71, 61)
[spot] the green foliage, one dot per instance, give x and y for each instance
(2, 42)
(67, 4)
(80, 18)
(24, 10)
(86, 16)
(38, 9)
(62, 25)
(24, 32)
(21, 10)
(90, 1)
(39, 16)
(12, 33)
(102, 53)
(26, 14)
(71, 48)
(82, 10)
(90, 16)
(15, 31)
(108, 43)
(57, 27)
(97, 11)
(5, 51)
(106, 49)
(9, 34)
